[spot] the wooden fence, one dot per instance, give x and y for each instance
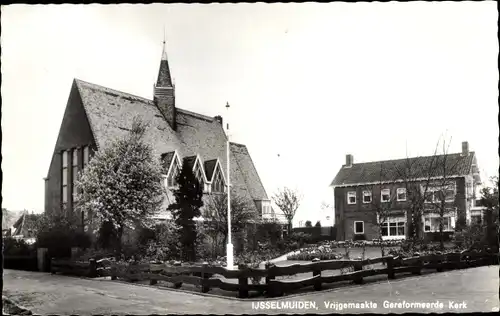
(92, 268)
(203, 275)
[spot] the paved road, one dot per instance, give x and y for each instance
(54, 294)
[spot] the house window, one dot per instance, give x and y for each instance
(367, 196)
(351, 197)
(401, 194)
(437, 194)
(359, 227)
(85, 155)
(393, 229)
(74, 173)
(65, 176)
(217, 182)
(431, 223)
(172, 177)
(385, 195)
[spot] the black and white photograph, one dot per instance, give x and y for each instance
(250, 158)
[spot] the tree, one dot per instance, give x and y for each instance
(442, 192)
(188, 201)
(382, 207)
(122, 186)
(318, 224)
(309, 224)
(242, 213)
(489, 199)
(416, 175)
(288, 201)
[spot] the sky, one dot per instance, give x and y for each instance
(307, 83)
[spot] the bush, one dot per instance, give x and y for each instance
(17, 247)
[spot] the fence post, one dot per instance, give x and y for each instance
(358, 266)
(270, 277)
(243, 281)
(418, 267)
(390, 268)
(177, 284)
(113, 271)
(316, 272)
(92, 268)
(204, 278)
(152, 281)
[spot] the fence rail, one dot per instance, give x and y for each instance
(203, 275)
(92, 268)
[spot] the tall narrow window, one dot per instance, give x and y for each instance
(217, 182)
(199, 175)
(85, 156)
(74, 162)
(64, 178)
(172, 177)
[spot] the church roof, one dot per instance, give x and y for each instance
(111, 113)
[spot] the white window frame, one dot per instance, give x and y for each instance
(382, 194)
(432, 189)
(400, 191)
(365, 194)
(388, 225)
(349, 195)
(218, 177)
(363, 225)
(451, 223)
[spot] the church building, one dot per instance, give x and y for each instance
(96, 115)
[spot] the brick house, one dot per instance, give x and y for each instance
(379, 197)
(96, 115)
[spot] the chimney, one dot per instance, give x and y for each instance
(465, 148)
(218, 118)
(349, 160)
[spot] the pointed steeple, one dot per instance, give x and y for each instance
(164, 76)
(164, 90)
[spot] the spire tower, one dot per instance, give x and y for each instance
(164, 91)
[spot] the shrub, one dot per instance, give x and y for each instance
(17, 247)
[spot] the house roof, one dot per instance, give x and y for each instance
(25, 222)
(111, 113)
(408, 168)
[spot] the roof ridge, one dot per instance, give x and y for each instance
(101, 87)
(194, 114)
(414, 157)
(237, 144)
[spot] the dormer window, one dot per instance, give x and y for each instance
(218, 185)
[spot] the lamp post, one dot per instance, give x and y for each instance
(229, 247)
